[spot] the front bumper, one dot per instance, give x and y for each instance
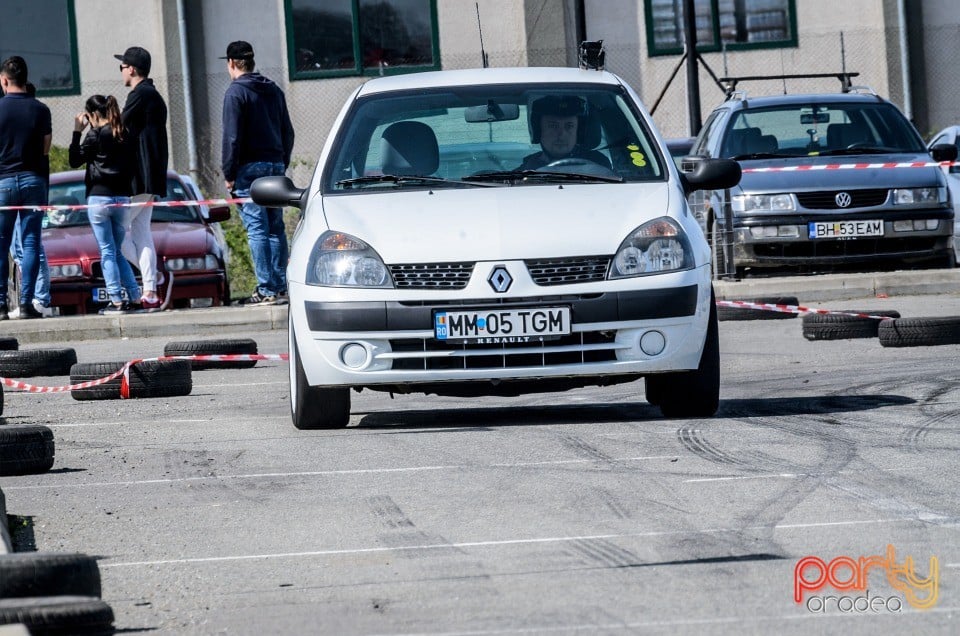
(77, 294)
(400, 351)
(918, 245)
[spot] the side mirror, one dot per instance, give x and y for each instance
(944, 152)
(710, 174)
(278, 192)
(218, 214)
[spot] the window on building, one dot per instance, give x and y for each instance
(361, 37)
(730, 24)
(44, 34)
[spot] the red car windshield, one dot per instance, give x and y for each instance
(72, 193)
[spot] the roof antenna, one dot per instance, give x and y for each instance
(483, 54)
(783, 72)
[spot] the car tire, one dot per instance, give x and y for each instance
(743, 313)
(148, 379)
(919, 332)
(57, 614)
(843, 327)
(26, 449)
(213, 347)
(691, 393)
(314, 407)
(9, 344)
(27, 574)
(28, 363)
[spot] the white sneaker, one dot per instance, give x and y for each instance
(45, 311)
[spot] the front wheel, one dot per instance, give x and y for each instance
(691, 393)
(314, 407)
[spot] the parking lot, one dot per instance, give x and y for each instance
(577, 512)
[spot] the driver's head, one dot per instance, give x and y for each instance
(554, 122)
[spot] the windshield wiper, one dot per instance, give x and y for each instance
(759, 155)
(542, 175)
(862, 150)
(400, 179)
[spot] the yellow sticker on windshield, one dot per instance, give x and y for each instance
(638, 159)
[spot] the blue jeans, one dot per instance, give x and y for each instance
(107, 224)
(266, 234)
(27, 189)
(41, 291)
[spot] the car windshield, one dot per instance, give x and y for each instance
(72, 193)
(819, 129)
(491, 135)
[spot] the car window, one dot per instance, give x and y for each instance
(812, 129)
(485, 129)
(74, 193)
(700, 145)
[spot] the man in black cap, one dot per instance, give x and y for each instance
(145, 118)
(557, 123)
(257, 142)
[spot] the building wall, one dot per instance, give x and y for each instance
(937, 91)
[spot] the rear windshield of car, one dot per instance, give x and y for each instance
(489, 128)
(813, 129)
(73, 193)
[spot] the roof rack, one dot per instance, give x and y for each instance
(730, 83)
(864, 90)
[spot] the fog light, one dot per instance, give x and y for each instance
(933, 224)
(902, 226)
(789, 231)
(653, 343)
(353, 355)
(763, 231)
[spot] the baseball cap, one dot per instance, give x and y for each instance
(238, 50)
(137, 57)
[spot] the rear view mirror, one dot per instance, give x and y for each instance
(278, 192)
(711, 174)
(814, 118)
(491, 111)
(944, 152)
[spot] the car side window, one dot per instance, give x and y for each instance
(701, 145)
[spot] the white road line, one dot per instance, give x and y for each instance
(138, 422)
(491, 543)
(332, 473)
(699, 480)
(233, 384)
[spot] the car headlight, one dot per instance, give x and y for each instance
(655, 247)
(195, 263)
(919, 196)
(66, 271)
(340, 260)
(763, 203)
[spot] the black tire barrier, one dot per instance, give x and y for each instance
(31, 574)
(25, 449)
(843, 327)
(9, 344)
(28, 363)
(57, 614)
(919, 332)
(213, 347)
(743, 313)
(148, 379)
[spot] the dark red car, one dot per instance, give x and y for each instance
(189, 245)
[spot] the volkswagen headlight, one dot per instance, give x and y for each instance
(763, 203)
(919, 196)
(340, 260)
(655, 247)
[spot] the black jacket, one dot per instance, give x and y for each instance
(256, 124)
(108, 162)
(145, 117)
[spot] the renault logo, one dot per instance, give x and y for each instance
(843, 199)
(500, 279)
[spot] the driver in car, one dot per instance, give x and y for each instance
(557, 123)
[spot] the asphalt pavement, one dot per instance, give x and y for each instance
(219, 320)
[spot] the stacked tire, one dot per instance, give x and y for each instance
(147, 379)
(836, 326)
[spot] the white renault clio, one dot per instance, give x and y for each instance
(498, 232)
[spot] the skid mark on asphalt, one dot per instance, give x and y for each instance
(604, 553)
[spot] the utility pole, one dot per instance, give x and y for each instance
(693, 72)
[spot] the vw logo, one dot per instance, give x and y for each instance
(500, 279)
(843, 199)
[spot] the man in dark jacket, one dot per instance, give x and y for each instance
(145, 118)
(25, 134)
(257, 142)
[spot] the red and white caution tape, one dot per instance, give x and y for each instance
(124, 371)
(854, 166)
(793, 309)
(152, 204)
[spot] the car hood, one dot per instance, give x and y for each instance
(497, 223)
(831, 179)
(71, 244)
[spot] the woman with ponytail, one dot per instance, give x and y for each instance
(106, 153)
